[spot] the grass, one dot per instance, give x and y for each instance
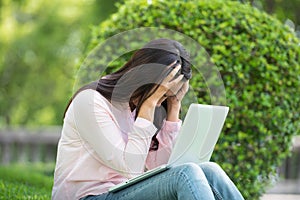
(26, 181)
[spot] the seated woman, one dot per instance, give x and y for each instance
(126, 123)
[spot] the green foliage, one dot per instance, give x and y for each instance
(41, 43)
(285, 11)
(30, 181)
(281, 9)
(258, 59)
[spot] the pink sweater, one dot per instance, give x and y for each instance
(102, 145)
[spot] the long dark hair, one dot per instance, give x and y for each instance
(141, 75)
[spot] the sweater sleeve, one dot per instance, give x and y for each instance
(166, 137)
(97, 127)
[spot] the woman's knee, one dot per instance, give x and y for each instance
(190, 171)
(212, 169)
(211, 166)
(205, 172)
(189, 167)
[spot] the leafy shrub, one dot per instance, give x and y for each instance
(258, 59)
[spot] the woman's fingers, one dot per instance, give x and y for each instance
(183, 90)
(172, 74)
(175, 84)
(175, 88)
(169, 83)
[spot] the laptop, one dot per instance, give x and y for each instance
(195, 142)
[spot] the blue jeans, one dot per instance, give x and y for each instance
(184, 182)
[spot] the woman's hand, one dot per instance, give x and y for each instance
(148, 107)
(179, 93)
(174, 102)
(167, 85)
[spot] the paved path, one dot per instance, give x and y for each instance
(284, 190)
(280, 197)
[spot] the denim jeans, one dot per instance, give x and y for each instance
(184, 182)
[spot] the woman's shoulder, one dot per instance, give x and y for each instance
(91, 94)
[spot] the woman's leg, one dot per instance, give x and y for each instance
(181, 182)
(220, 183)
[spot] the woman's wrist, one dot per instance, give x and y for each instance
(147, 110)
(173, 112)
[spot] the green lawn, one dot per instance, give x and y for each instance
(26, 181)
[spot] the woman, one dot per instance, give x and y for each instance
(126, 123)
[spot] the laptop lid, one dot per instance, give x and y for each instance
(199, 134)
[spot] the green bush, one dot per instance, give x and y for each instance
(258, 59)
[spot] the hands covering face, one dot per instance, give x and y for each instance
(172, 88)
(178, 92)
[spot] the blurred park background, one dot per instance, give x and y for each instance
(41, 46)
